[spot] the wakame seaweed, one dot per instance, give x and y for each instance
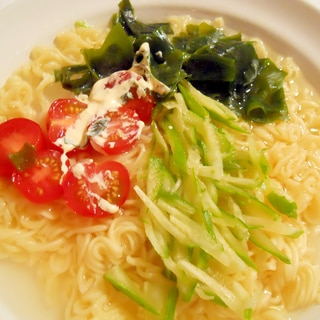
(228, 69)
(126, 17)
(224, 67)
(116, 53)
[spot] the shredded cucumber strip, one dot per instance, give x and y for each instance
(206, 200)
(226, 295)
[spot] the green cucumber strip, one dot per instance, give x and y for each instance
(228, 151)
(259, 238)
(193, 104)
(248, 203)
(237, 247)
(160, 140)
(155, 176)
(206, 200)
(186, 285)
(274, 226)
(191, 135)
(226, 295)
(177, 202)
(282, 204)
(170, 306)
(236, 263)
(248, 314)
(212, 157)
(258, 158)
(179, 156)
(158, 179)
(189, 187)
(198, 236)
(241, 182)
(160, 217)
(122, 282)
(255, 207)
(221, 112)
(208, 223)
(228, 220)
(158, 297)
(232, 189)
(217, 110)
(200, 258)
(159, 237)
(211, 189)
(212, 296)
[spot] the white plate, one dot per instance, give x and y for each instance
(290, 27)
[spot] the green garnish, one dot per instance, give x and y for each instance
(202, 214)
(226, 68)
(283, 205)
(116, 53)
(25, 158)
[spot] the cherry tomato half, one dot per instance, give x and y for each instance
(96, 190)
(14, 134)
(41, 182)
(116, 132)
(143, 106)
(61, 115)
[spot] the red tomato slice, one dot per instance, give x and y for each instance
(61, 115)
(143, 106)
(116, 132)
(14, 134)
(96, 190)
(41, 182)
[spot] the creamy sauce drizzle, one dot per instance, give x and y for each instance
(109, 94)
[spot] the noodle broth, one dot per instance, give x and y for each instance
(71, 253)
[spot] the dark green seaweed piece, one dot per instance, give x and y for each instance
(223, 67)
(76, 78)
(209, 67)
(166, 60)
(116, 53)
(197, 36)
(230, 71)
(126, 17)
(262, 100)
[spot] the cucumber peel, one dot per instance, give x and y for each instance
(122, 282)
(159, 298)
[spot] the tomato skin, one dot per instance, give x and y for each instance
(83, 192)
(116, 132)
(41, 182)
(143, 106)
(14, 134)
(61, 115)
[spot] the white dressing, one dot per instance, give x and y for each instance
(79, 171)
(108, 94)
